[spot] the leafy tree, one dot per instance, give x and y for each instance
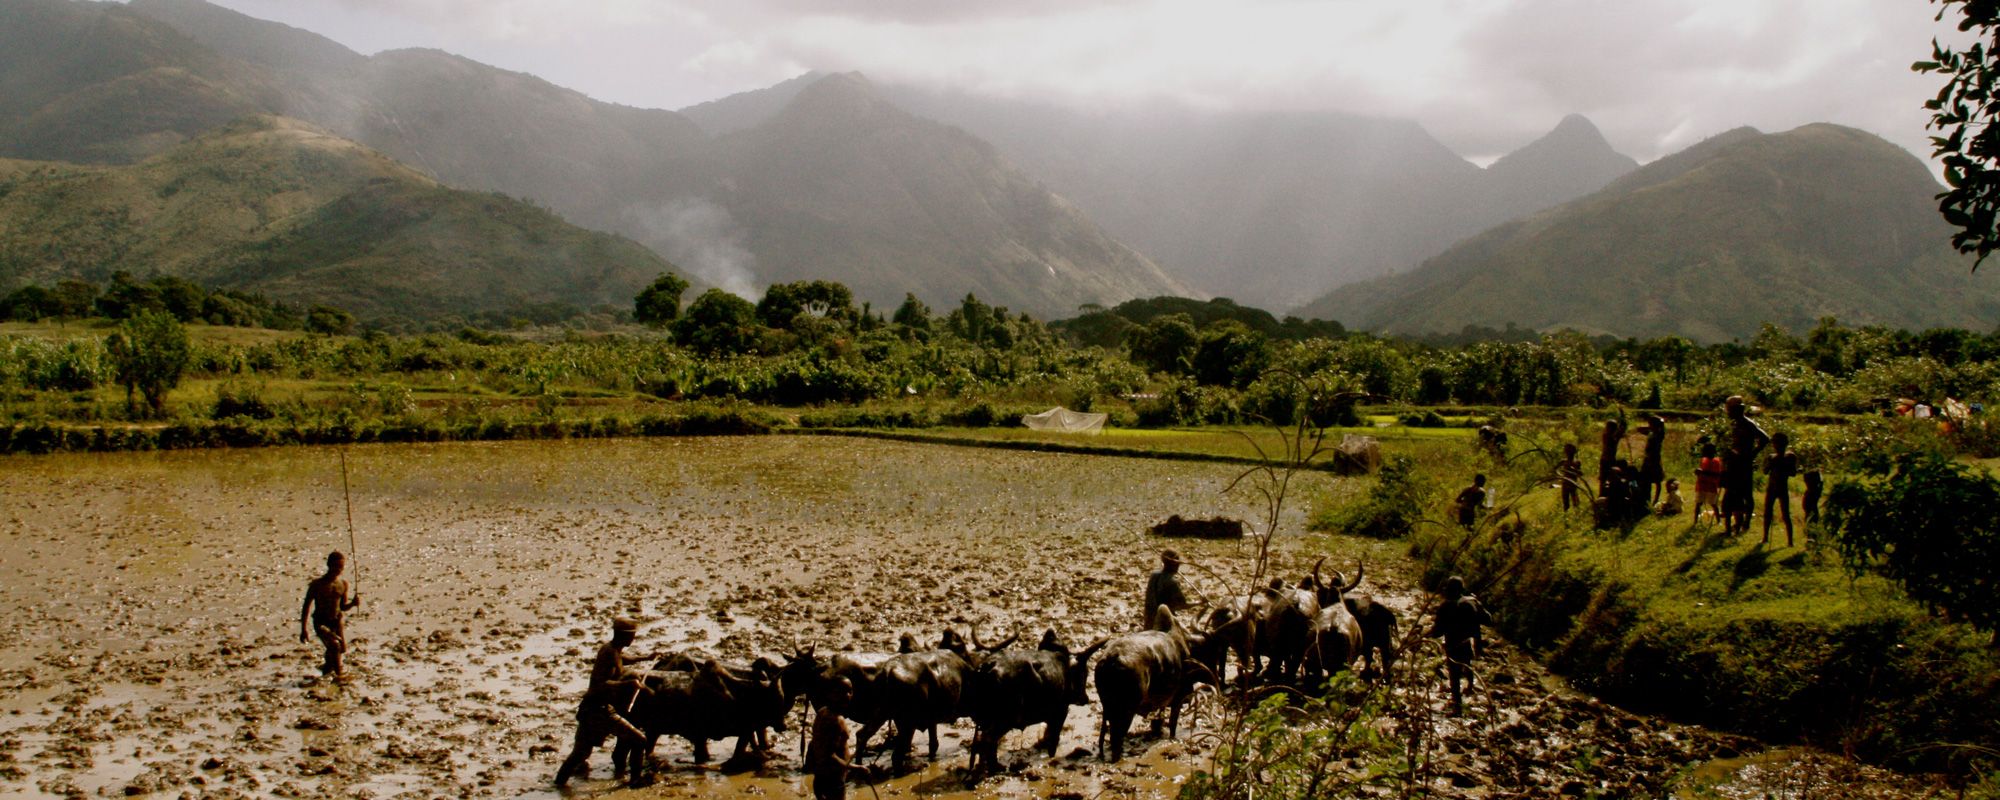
(179, 297)
(1095, 328)
(660, 302)
(1229, 354)
(1166, 344)
(913, 313)
(232, 308)
(126, 298)
(74, 299)
(718, 322)
(28, 304)
(1965, 111)
(823, 299)
(149, 353)
(979, 323)
(1929, 525)
(329, 320)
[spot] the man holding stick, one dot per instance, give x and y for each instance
(326, 605)
(612, 692)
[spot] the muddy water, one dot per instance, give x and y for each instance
(150, 634)
(150, 639)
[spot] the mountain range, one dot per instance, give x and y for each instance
(276, 206)
(1268, 208)
(843, 187)
(1742, 229)
(893, 189)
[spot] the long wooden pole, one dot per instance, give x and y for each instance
(353, 550)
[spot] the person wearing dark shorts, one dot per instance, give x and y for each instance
(1746, 439)
(828, 755)
(1780, 468)
(607, 699)
(1569, 475)
(1469, 500)
(1652, 473)
(1459, 621)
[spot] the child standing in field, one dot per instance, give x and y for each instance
(1470, 499)
(1814, 485)
(828, 755)
(1569, 474)
(1708, 483)
(1651, 471)
(1781, 466)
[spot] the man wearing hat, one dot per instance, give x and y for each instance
(612, 691)
(1164, 589)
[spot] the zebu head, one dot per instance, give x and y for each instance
(801, 671)
(1076, 672)
(1331, 590)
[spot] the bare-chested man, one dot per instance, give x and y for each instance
(327, 603)
(610, 695)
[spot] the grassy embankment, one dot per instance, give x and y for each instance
(1671, 616)
(1668, 616)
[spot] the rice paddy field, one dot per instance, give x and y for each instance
(149, 615)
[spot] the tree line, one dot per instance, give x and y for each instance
(1163, 361)
(126, 296)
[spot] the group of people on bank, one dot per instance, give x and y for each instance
(1724, 475)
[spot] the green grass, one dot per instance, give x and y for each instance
(1673, 617)
(200, 333)
(1223, 440)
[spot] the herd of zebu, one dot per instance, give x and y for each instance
(1314, 627)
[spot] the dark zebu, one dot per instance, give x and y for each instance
(915, 690)
(1018, 688)
(1337, 635)
(1377, 623)
(1141, 673)
(703, 700)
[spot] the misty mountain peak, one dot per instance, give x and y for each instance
(1574, 138)
(1570, 161)
(241, 36)
(843, 96)
(1576, 125)
(745, 110)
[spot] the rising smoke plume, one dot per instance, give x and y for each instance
(702, 238)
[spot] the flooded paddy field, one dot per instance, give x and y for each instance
(149, 641)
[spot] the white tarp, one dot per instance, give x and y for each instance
(1065, 420)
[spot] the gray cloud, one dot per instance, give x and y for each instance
(1485, 76)
(926, 12)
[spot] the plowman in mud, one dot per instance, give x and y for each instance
(613, 689)
(326, 605)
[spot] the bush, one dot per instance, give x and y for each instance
(1428, 419)
(150, 351)
(1389, 511)
(1929, 525)
(1186, 403)
(239, 400)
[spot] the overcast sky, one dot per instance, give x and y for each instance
(1483, 76)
